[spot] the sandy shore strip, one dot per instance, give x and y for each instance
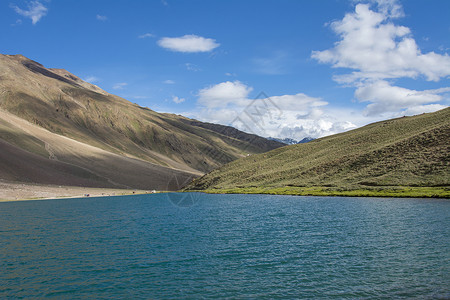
(14, 191)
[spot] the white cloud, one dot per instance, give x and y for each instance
(390, 8)
(120, 85)
(146, 35)
(376, 50)
(420, 109)
(315, 128)
(91, 79)
(35, 11)
(178, 100)
(101, 18)
(385, 98)
(168, 81)
(294, 116)
(222, 94)
(297, 102)
(188, 43)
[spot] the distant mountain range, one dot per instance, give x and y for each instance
(58, 129)
(289, 141)
(403, 152)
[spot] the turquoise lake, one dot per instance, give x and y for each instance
(195, 246)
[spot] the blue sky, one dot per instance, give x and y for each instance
(322, 66)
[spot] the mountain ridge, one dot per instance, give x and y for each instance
(407, 151)
(65, 105)
(289, 141)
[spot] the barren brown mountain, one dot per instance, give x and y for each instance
(58, 129)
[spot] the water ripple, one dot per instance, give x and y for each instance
(227, 246)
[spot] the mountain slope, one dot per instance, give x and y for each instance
(409, 151)
(289, 141)
(66, 106)
(55, 159)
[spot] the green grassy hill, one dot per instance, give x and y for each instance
(65, 105)
(389, 155)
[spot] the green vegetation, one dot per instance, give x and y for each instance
(404, 192)
(407, 156)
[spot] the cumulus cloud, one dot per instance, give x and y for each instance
(294, 116)
(386, 98)
(178, 100)
(35, 11)
(297, 102)
(168, 81)
(315, 128)
(120, 85)
(188, 43)
(420, 109)
(223, 94)
(377, 50)
(390, 8)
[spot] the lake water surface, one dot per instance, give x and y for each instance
(228, 246)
